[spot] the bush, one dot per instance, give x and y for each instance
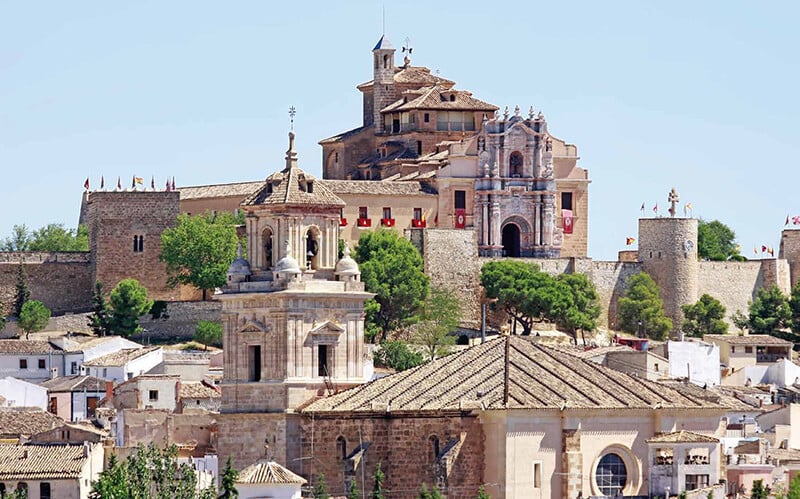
(398, 356)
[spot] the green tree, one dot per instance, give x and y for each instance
(397, 355)
(100, 318)
(378, 478)
(55, 237)
(769, 312)
(715, 241)
(794, 306)
(482, 493)
(208, 333)
(352, 490)
(128, 303)
(758, 491)
(321, 488)
(33, 318)
(740, 320)
(641, 308)
(439, 318)
(583, 310)
(199, 251)
(707, 316)
(22, 293)
(432, 493)
(228, 481)
(20, 239)
(391, 267)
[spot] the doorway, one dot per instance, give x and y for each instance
(511, 240)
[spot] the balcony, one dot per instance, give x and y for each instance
(342, 222)
(364, 222)
(419, 224)
(387, 222)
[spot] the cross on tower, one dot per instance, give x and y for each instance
(292, 114)
(673, 200)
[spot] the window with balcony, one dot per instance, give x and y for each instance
(419, 220)
(694, 482)
(363, 217)
(387, 220)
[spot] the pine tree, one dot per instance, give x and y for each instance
(100, 319)
(482, 494)
(228, 482)
(352, 490)
(23, 292)
(321, 489)
(378, 477)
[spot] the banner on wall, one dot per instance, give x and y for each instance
(461, 219)
(567, 221)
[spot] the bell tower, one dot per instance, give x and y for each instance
(382, 80)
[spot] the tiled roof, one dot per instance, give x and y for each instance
(268, 472)
(75, 383)
(680, 437)
(344, 135)
(438, 97)
(747, 339)
(27, 347)
(119, 358)
(40, 462)
(526, 375)
(198, 390)
(16, 421)
(413, 75)
(583, 353)
(238, 189)
(374, 187)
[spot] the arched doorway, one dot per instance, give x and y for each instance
(266, 244)
(312, 248)
(511, 240)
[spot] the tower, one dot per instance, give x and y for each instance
(383, 88)
(790, 251)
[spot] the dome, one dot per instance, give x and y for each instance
(287, 264)
(347, 266)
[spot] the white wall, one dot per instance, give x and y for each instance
(143, 364)
(9, 366)
(699, 361)
(166, 393)
(273, 491)
(19, 393)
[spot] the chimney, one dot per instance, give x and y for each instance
(109, 390)
(86, 448)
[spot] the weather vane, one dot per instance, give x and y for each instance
(407, 47)
(292, 114)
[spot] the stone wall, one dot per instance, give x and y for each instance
(611, 279)
(735, 283)
(62, 281)
(790, 251)
(181, 319)
(405, 448)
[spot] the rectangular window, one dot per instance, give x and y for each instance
(694, 482)
(52, 407)
(41, 364)
(23, 363)
(460, 200)
(73, 368)
(362, 212)
(417, 213)
(254, 362)
(105, 372)
(537, 475)
(153, 395)
(748, 349)
(91, 406)
(322, 360)
(733, 349)
(426, 118)
(387, 213)
(44, 491)
(138, 244)
(566, 200)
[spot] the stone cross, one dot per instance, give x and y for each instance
(673, 200)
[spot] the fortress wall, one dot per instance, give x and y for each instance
(735, 283)
(62, 281)
(790, 251)
(611, 279)
(180, 320)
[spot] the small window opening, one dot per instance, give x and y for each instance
(460, 200)
(426, 118)
(138, 244)
(452, 97)
(254, 362)
(341, 447)
(566, 200)
(322, 360)
(417, 213)
(41, 364)
(434, 442)
(362, 212)
(23, 363)
(153, 395)
(387, 213)
(419, 148)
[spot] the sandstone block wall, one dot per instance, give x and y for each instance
(62, 281)
(735, 283)
(790, 251)
(252, 436)
(182, 316)
(403, 446)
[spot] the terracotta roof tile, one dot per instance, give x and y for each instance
(242, 189)
(747, 339)
(438, 97)
(198, 390)
(76, 383)
(38, 462)
(268, 472)
(533, 376)
(681, 437)
(17, 421)
(374, 187)
(413, 75)
(30, 347)
(119, 358)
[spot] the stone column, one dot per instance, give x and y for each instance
(571, 464)
(496, 230)
(537, 222)
(548, 219)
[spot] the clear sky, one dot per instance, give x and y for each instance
(700, 96)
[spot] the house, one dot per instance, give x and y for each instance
(21, 422)
(19, 393)
(738, 352)
(682, 460)
(124, 364)
(50, 471)
(199, 396)
(694, 360)
(148, 391)
(70, 433)
(75, 397)
(266, 478)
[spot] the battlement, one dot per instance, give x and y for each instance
(33, 257)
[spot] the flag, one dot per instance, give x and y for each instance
(168, 189)
(153, 182)
(755, 250)
(137, 180)
(119, 184)
(567, 221)
(763, 249)
(796, 220)
(629, 241)
(86, 184)
(771, 251)
(461, 218)
(655, 208)
(787, 221)
(102, 182)
(642, 208)
(688, 206)
(173, 184)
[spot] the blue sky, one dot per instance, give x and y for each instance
(700, 96)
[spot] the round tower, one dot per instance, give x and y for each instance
(668, 253)
(383, 91)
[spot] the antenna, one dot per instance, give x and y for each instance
(383, 20)
(292, 114)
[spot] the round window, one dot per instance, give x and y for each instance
(611, 475)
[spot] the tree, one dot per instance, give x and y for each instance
(740, 320)
(228, 481)
(20, 239)
(391, 267)
(582, 312)
(100, 318)
(321, 489)
(128, 302)
(758, 491)
(482, 493)
(378, 478)
(432, 493)
(715, 241)
(397, 355)
(794, 306)
(641, 310)
(352, 490)
(55, 237)
(438, 320)
(33, 318)
(769, 312)
(198, 251)
(706, 316)
(22, 293)
(208, 333)
(150, 472)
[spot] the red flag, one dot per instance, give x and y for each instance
(629, 241)
(763, 248)
(119, 183)
(567, 221)
(153, 182)
(787, 220)
(461, 218)
(173, 183)
(86, 184)
(655, 208)
(102, 182)
(796, 220)
(168, 189)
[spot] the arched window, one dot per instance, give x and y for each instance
(385, 62)
(341, 447)
(611, 475)
(312, 248)
(266, 243)
(434, 442)
(515, 164)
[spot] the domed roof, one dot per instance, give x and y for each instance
(347, 266)
(239, 266)
(287, 264)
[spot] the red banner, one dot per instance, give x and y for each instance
(461, 218)
(567, 221)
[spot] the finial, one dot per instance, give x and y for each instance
(505, 113)
(346, 251)
(287, 248)
(541, 115)
(496, 114)
(530, 113)
(407, 49)
(292, 114)
(239, 249)
(516, 110)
